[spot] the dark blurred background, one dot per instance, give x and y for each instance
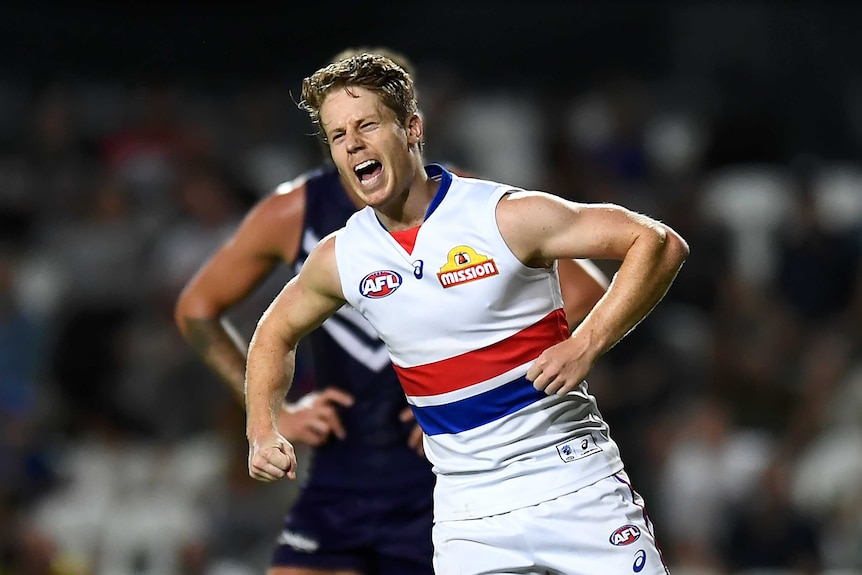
(134, 136)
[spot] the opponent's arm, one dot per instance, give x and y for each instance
(541, 228)
(308, 299)
(271, 232)
(582, 284)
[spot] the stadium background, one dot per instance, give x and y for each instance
(134, 136)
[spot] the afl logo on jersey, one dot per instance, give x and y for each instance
(464, 264)
(379, 284)
(625, 535)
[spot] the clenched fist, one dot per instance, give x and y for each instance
(271, 458)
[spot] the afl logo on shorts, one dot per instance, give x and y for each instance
(625, 535)
(379, 284)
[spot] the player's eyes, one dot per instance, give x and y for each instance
(368, 125)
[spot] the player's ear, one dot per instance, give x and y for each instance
(415, 129)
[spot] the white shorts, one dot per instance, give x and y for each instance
(600, 529)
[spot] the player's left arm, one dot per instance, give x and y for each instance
(582, 283)
(541, 228)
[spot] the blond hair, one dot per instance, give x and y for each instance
(374, 72)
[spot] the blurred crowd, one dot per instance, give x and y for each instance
(737, 404)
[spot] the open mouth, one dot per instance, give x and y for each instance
(368, 170)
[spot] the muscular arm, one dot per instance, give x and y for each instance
(270, 233)
(309, 298)
(582, 283)
(541, 228)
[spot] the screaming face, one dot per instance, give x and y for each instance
(373, 152)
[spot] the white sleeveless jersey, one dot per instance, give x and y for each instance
(463, 319)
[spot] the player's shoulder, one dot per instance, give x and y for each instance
(291, 187)
(289, 196)
(362, 221)
(284, 206)
(283, 203)
(464, 178)
(320, 176)
(478, 189)
(322, 258)
(520, 202)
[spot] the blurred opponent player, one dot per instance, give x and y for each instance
(366, 506)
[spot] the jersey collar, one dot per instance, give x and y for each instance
(438, 173)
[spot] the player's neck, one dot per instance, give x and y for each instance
(408, 209)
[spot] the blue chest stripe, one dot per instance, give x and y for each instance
(478, 410)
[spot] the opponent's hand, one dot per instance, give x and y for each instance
(414, 440)
(561, 368)
(313, 418)
(271, 458)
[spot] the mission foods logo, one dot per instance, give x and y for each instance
(464, 265)
(379, 284)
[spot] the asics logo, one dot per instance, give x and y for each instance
(640, 561)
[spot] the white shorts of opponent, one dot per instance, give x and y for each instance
(602, 529)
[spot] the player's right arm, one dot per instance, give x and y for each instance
(304, 303)
(270, 233)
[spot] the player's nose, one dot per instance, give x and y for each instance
(354, 141)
